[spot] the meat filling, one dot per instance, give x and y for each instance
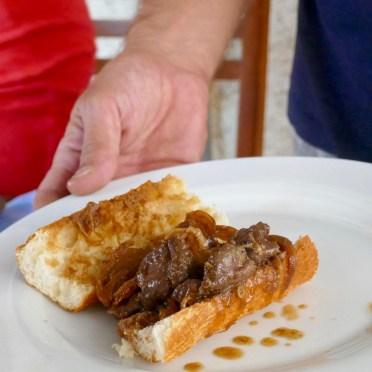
(196, 261)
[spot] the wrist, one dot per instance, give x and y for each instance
(185, 54)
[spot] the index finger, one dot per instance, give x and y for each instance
(65, 164)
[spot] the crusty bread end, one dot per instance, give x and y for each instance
(63, 260)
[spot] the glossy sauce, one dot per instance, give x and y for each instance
(269, 341)
(269, 314)
(253, 322)
(289, 312)
(193, 367)
(288, 333)
(243, 340)
(302, 306)
(228, 352)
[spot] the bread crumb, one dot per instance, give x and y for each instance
(125, 350)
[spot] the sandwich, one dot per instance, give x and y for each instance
(171, 270)
(198, 280)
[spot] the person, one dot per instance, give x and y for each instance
(46, 61)
(147, 108)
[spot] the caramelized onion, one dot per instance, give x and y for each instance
(224, 232)
(122, 266)
(126, 290)
(203, 221)
(287, 247)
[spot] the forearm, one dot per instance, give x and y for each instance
(192, 34)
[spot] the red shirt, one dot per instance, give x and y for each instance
(46, 60)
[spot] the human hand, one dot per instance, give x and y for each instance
(142, 112)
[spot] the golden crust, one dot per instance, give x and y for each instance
(191, 325)
(74, 248)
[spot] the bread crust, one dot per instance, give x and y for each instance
(63, 259)
(174, 335)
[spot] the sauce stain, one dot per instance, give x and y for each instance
(228, 352)
(269, 314)
(253, 322)
(243, 340)
(302, 306)
(193, 367)
(289, 312)
(370, 307)
(268, 341)
(288, 333)
(287, 344)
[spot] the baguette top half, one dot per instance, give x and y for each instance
(63, 260)
(173, 335)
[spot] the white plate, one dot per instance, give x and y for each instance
(331, 200)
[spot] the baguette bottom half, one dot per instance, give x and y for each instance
(175, 334)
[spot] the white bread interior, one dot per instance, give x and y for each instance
(63, 260)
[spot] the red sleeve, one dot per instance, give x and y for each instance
(46, 60)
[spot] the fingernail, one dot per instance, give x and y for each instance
(82, 172)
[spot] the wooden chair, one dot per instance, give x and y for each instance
(250, 71)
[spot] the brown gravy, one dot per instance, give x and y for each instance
(289, 312)
(193, 367)
(253, 322)
(228, 352)
(269, 314)
(288, 333)
(243, 340)
(268, 341)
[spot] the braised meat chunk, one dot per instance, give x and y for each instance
(187, 293)
(182, 262)
(257, 243)
(152, 276)
(227, 267)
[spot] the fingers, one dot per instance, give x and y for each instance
(99, 152)
(65, 163)
(52, 187)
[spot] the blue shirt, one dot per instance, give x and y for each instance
(330, 100)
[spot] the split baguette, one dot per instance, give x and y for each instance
(175, 334)
(63, 260)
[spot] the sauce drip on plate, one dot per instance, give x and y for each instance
(269, 341)
(269, 314)
(228, 352)
(193, 367)
(288, 333)
(289, 312)
(253, 322)
(243, 340)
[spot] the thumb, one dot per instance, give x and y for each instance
(99, 156)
